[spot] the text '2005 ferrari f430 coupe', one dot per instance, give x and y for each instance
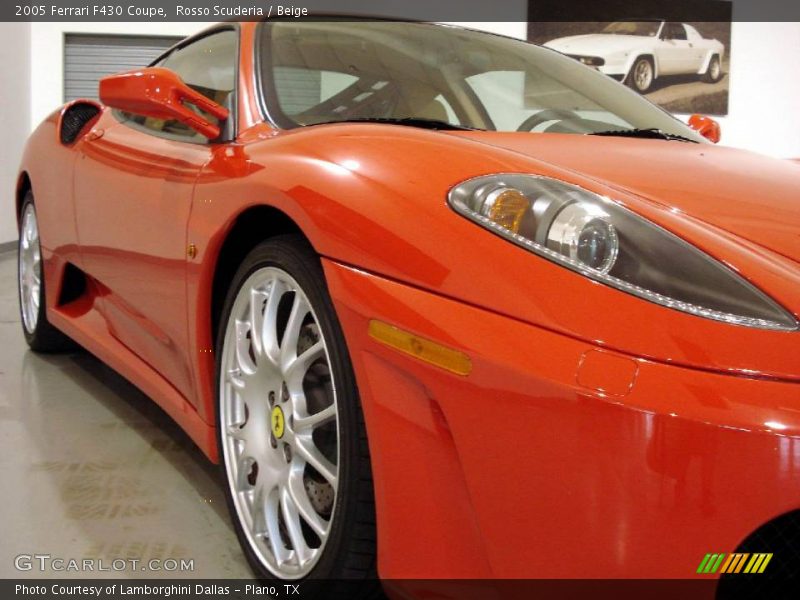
(442, 304)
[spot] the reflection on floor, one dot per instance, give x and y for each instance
(91, 468)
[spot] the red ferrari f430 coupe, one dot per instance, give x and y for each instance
(442, 304)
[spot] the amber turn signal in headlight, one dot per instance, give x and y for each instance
(421, 348)
(506, 207)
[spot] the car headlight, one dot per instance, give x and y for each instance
(592, 61)
(606, 242)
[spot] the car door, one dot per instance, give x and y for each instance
(699, 49)
(133, 188)
(675, 53)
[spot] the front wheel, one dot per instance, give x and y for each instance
(714, 71)
(641, 75)
(40, 335)
(291, 433)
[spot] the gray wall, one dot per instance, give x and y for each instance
(15, 107)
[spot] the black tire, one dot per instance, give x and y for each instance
(634, 82)
(350, 550)
(714, 67)
(43, 337)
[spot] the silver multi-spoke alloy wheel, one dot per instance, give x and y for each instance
(30, 269)
(715, 69)
(279, 423)
(643, 74)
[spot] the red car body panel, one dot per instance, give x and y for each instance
(538, 463)
(598, 435)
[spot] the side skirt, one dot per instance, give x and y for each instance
(87, 327)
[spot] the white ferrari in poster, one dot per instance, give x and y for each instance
(651, 55)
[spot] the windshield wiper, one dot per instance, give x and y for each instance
(651, 134)
(407, 121)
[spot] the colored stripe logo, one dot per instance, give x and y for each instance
(738, 562)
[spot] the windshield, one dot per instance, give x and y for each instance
(322, 72)
(645, 28)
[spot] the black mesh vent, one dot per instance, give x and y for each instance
(75, 117)
(781, 578)
(73, 285)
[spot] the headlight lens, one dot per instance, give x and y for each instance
(602, 240)
(592, 61)
(584, 233)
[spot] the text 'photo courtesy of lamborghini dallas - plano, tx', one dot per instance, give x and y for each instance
(442, 304)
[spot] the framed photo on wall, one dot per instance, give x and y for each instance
(681, 65)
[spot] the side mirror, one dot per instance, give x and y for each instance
(161, 94)
(706, 126)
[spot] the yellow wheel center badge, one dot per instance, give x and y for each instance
(277, 422)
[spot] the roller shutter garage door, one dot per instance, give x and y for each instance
(87, 58)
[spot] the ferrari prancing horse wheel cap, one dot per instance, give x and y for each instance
(278, 422)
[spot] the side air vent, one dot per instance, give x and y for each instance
(73, 285)
(75, 118)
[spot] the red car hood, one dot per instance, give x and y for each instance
(749, 195)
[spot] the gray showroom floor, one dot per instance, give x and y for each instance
(91, 468)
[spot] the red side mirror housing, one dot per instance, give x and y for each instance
(161, 94)
(706, 126)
